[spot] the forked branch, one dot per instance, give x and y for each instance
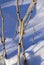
(30, 8)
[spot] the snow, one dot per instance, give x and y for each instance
(34, 53)
(13, 3)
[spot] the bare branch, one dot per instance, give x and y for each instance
(18, 13)
(0, 11)
(28, 20)
(22, 28)
(21, 4)
(2, 37)
(16, 32)
(30, 8)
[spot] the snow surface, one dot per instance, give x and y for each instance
(34, 52)
(34, 55)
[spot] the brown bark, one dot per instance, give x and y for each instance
(35, 1)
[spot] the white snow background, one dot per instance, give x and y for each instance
(34, 52)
